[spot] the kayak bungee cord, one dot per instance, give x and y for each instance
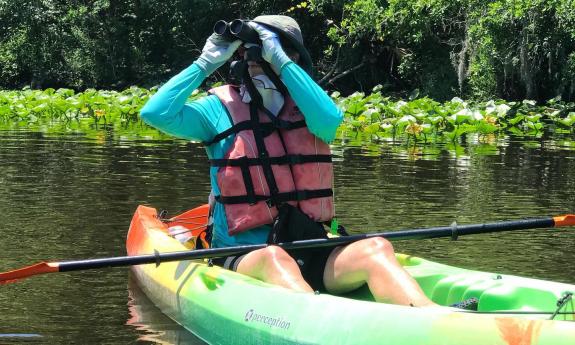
(521, 312)
(561, 303)
(553, 314)
(168, 220)
(568, 297)
(452, 231)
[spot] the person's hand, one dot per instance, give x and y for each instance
(216, 52)
(272, 50)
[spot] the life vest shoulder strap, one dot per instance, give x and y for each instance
(240, 118)
(266, 127)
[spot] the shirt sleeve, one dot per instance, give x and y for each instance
(321, 114)
(169, 111)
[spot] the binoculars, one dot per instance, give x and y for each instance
(237, 29)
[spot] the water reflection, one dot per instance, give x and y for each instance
(72, 197)
(154, 326)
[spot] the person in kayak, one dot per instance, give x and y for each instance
(271, 170)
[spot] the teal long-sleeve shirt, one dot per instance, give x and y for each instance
(201, 120)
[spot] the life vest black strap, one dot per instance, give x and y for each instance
(275, 79)
(277, 122)
(240, 126)
(263, 153)
(279, 198)
(282, 160)
(247, 177)
(266, 127)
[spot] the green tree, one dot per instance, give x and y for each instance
(439, 48)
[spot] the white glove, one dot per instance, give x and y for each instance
(272, 50)
(216, 52)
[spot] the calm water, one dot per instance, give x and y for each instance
(68, 197)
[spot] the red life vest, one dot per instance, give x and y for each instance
(267, 166)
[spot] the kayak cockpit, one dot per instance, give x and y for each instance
(497, 293)
(443, 284)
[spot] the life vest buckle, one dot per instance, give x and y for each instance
(274, 201)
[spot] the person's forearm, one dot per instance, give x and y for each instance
(321, 114)
(165, 106)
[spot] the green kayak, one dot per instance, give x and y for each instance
(224, 307)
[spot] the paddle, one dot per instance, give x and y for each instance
(452, 231)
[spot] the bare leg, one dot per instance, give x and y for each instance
(373, 261)
(273, 265)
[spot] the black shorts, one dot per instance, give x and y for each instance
(311, 263)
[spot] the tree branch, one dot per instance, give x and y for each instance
(332, 71)
(343, 74)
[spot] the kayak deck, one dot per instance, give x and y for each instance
(221, 306)
(499, 293)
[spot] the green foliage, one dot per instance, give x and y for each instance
(367, 118)
(88, 112)
(527, 44)
(483, 79)
(472, 48)
(103, 43)
(476, 49)
(374, 117)
(364, 19)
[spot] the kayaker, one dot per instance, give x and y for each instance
(242, 127)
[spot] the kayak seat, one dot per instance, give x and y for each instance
(455, 288)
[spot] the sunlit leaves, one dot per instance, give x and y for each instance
(375, 116)
(65, 110)
(367, 116)
(301, 5)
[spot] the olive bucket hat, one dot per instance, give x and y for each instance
(289, 29)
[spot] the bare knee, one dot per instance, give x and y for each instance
(263, 262)
(377, 245)
(274, 255)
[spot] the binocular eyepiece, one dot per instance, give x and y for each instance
(237, 29)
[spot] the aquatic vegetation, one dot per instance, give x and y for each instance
(368, 118)
(376, 116)
(89, 112)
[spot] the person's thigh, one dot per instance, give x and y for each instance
(273, 265)
(348, 267)
(342, 272)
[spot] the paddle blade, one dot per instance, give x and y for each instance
(566, 220)
(21, 273)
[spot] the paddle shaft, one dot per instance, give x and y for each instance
(452, 231)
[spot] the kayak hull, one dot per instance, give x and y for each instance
(224, 307)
